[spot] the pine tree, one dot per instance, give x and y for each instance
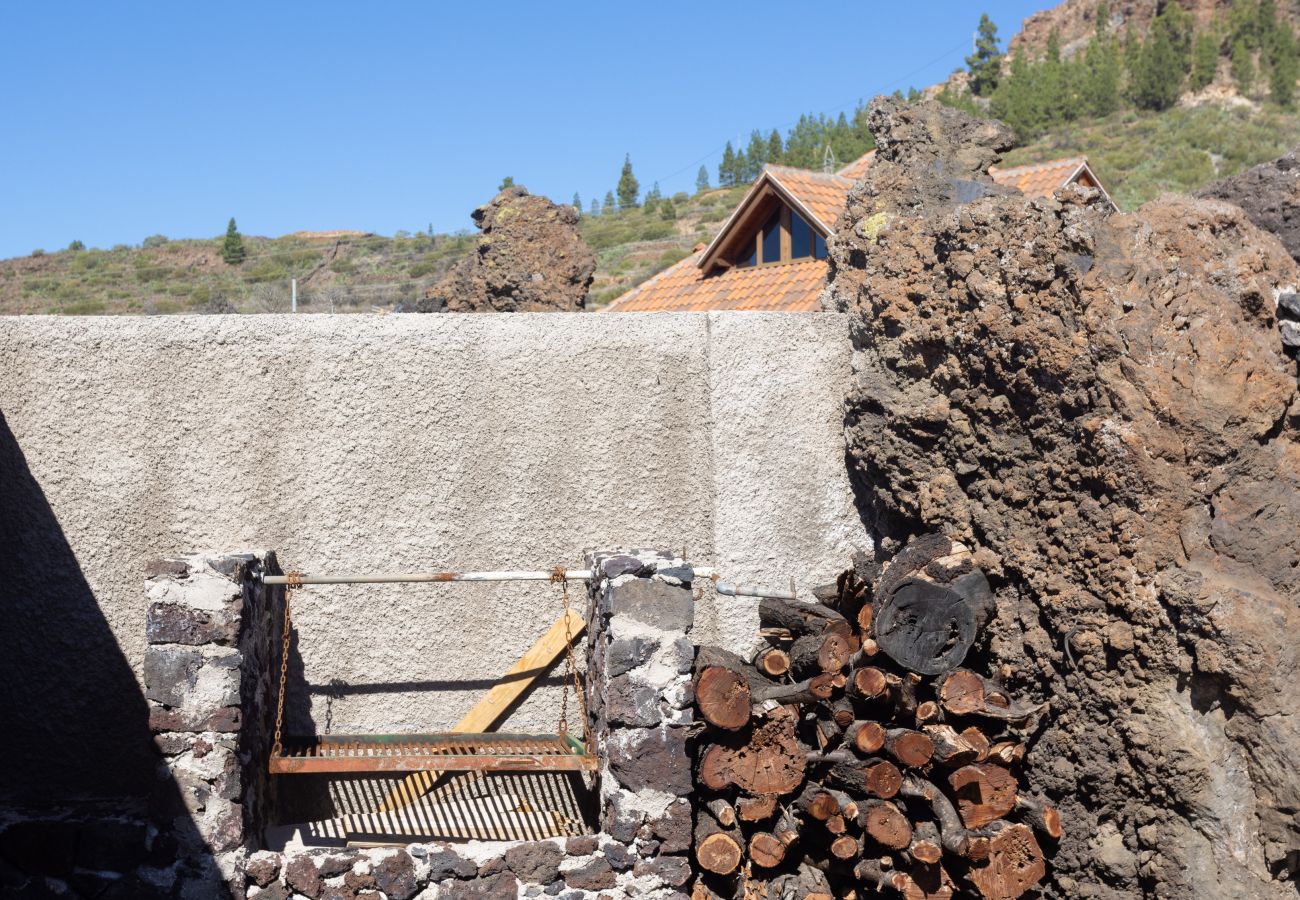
(595, 207)
(628, 188)
(652, 199)
(667, 211)
(577, 202)
(232, 246)
(609, 205)
(1102, 68)
(1205, 61)
(701, 180)
(1164, 60)
(727, 168)
(1243, 65)
(755, 155)
(1017, 99)
(1132, 50)
(507, 182)
(985, 64)
(1285, 68)
(1052, 86)
(775, 151)
(742, 169)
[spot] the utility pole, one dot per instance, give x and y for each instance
(293, 294)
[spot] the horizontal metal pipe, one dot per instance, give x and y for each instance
(751, 590)
(438, 577)
(722, 587)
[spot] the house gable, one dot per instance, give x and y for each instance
(786, 216)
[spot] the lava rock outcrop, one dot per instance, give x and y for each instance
(529, 258)
(1100, 406)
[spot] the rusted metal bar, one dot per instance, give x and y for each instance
(494, 752)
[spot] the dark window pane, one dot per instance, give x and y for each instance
(800, 237)
(819, 247)
(772, 238)
(752, 258)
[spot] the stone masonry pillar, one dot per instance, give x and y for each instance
(639, 700)
(209, 625)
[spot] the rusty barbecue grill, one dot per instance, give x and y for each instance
(453, 751)
(495, 752)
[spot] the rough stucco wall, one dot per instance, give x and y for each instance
(357, 444)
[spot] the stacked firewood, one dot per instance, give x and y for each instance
(853, 756)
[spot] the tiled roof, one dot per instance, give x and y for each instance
(794, 286)
(788, 287)
(1039, 180)
(821, 193)
(856, 169)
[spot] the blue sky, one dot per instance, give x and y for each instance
(128, 119)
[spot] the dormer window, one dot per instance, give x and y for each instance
(785, 236)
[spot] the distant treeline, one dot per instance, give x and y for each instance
(816, 141)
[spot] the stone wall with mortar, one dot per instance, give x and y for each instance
(355, 443)
(212, 628)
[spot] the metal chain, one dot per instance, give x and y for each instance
(294, 580)
(571, 678)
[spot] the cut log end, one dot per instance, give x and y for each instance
(1015, 864)
(773, 662)
(766, 850)
(985, 793)
(887, 826)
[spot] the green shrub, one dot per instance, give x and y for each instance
(88, 307)
(264, 270)
(422, 268)
(152, 241)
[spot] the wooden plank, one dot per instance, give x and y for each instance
(489, 710)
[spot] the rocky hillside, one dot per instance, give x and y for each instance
(341, 271)
(1075, 21)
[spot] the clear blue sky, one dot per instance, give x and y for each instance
(122, 120)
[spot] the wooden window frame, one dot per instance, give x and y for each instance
(755, 244)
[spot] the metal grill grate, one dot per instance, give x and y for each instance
(450, 752)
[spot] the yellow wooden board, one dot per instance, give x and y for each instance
(488, 711)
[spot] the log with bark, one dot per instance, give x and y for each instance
(858, 751)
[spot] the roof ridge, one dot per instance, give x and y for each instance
(1045, 164)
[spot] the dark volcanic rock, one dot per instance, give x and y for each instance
(1099, 407)
(1270, 195)
(530, 258)
(538, 862)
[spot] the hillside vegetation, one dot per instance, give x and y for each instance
(1140, 155)
(1166, 103)
(348, 272)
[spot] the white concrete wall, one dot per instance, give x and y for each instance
(390, 444)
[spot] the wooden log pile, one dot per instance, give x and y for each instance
(852, 755)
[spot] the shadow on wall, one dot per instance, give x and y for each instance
(80, 767)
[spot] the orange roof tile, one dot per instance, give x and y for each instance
(856, 169)
(822, 194)
(1042, 179)
(785, 287)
